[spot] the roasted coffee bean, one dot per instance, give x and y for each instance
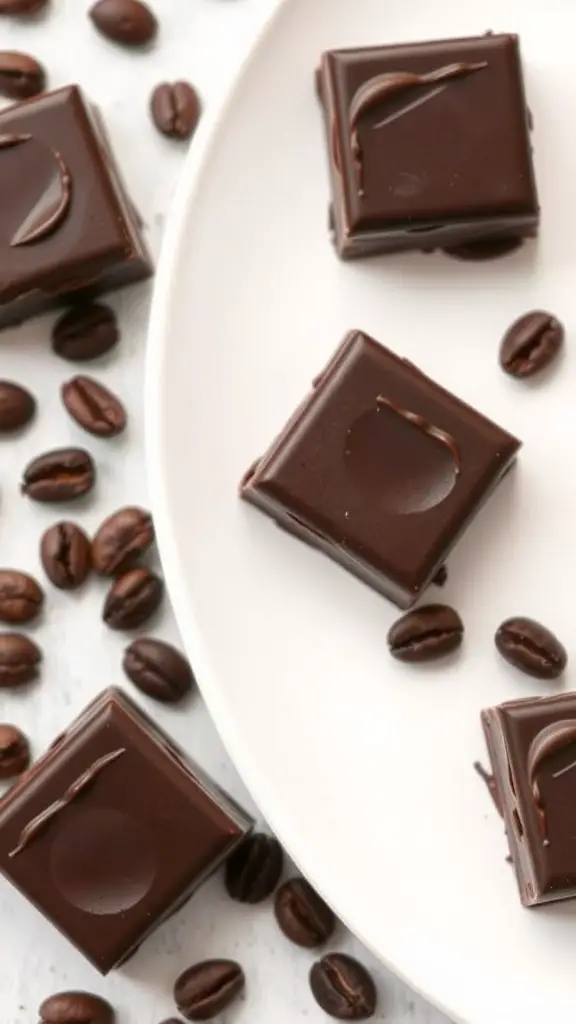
(254, 869)
(19, 660)
(21, 76)
(85, 332)
(21, 598)
(426, 633)
(531, 647)
(94, 407)
(17, 406)
(60, 475)
(531, 343)
(14, 752)
(121, 540)
(208, 988)
(302, 914)
(175, 109)
(65, 552)
(485, 249)
(129, 22)
(132, 599)
(343, 988)
(76, 1008)
(158, 669)
(22, 7)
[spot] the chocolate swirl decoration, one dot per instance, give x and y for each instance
(427, 428)
(548, 741)
(52, 206)
(37, 824)
(382, 87)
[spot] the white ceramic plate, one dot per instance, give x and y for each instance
(364, 767)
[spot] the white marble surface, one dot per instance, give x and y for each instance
(203, 40)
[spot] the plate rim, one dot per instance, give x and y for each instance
(195, 162)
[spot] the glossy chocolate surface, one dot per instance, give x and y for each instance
(429, 144)
(532, 746)
(66, 223)
(380, 468)
(112, 829)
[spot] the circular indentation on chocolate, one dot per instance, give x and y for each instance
(398, 466)
(102, 861)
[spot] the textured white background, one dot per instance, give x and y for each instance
(204, 41)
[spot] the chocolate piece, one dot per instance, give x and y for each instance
(66, 224)
(21, 76)
(175, 108)
(531, 647)
(343, 988)
(408, 129)
(380, 89)
(76, 1008)
(426, 633)
(531, 343)
(112, 829)
(532, 747)
(17, 406)
(380, 468)
(208, 988)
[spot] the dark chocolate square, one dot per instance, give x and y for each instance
(112, 829)
(66, 224)
(532, 746)
(421, 165)
(380, 468)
